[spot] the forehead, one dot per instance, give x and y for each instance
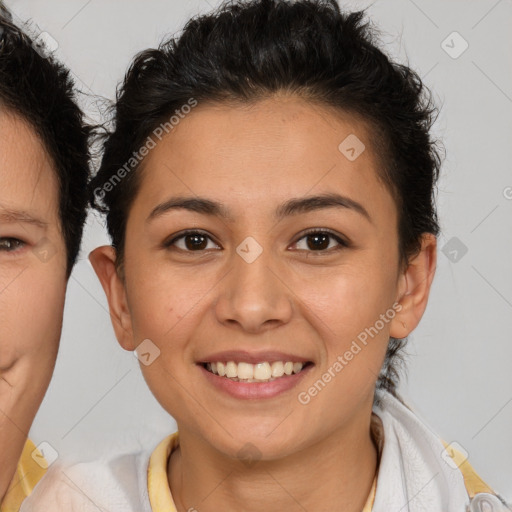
(263, 152)
(27, 174)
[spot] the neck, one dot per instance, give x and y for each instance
(338, 470)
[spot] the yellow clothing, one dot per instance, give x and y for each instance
(474, 484)
(161, 499)
(28, 474)
(158, 486)
(409, 454)
(159, 492)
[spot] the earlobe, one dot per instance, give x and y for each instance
(103, 261)
(414, 288)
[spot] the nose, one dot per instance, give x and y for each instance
(254, 297)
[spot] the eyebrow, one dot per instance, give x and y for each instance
(8, 215)
(291, 207)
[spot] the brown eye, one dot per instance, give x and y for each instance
(192, 241)
(320, 241)
(10, 244)
(195, 242)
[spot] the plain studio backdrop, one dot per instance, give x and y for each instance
(459, 376)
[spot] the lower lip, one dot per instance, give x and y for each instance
(255, 390)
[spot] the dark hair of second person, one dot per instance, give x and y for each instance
(251, 50)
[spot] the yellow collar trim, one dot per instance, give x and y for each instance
(159, 492)
(371, 497)
(474, 484)
(28, 473)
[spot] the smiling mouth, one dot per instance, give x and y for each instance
(259, 372)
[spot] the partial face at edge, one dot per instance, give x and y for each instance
(323, 275)
(32, 270)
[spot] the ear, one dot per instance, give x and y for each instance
(414, 288)
(103, 260)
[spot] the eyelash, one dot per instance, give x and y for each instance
(343, 244)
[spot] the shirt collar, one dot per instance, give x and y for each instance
(160, 496)
(28, 473)
(159, 491)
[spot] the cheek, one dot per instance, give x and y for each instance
(345, 310)
(31, 311)
(347, 300)
(165, 309)
(344, 307)
(166, 301)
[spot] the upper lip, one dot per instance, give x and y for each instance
(252, 357)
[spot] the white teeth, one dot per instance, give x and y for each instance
(245, 371)
(221, 369)
(260, 372)
(231, 369)
(297, 367)
(277, 369)
(288, 368)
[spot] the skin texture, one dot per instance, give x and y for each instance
(32, 284)
(292, 298)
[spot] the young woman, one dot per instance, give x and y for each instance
(269, 191)
(44, 170)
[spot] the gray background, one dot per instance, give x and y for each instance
(459, 367)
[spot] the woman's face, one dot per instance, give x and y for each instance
(32, 276)
(291, 253)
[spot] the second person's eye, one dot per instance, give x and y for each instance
(8, 244)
